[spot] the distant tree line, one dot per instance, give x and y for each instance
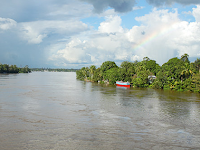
(53, 70)
(176, 74)
(5, 68)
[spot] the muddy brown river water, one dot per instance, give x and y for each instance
(50, 110)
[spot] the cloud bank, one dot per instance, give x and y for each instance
(7, 23)
(170, 2)
(117, 5)
(128, 5)
(164, 38)
(57, 36)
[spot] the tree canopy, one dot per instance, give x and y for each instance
(176, 74)
(5, 68)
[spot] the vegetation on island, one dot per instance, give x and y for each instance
(176, 74)
(53, 70)
(5, 68)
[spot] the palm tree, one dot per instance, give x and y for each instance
(92, 70)
(187, 72)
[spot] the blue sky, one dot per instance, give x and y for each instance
(73, 34)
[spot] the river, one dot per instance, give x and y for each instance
(51, 110)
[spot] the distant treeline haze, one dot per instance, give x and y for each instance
(176, 74)
(53, 70)
(5, 68)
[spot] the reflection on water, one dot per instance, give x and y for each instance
(45, 110)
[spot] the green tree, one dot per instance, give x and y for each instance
(83, 73)
(161, 80)
(196, 65)
(16, 70)
(106, 66)
(25, 70)
(97, 75)
(196, 83)
(146, 59)
(92, 71)
(176, 74)
(13, 69)
(5, 68)
(127, 71)
(173, 68)
(169, 73)
(141, 77)
(112, 75)
(151, 65)
(1, 68)
(186, 72)
(185, 58)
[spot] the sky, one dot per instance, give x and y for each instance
(81, 33)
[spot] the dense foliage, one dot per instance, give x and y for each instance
(176, 74)
(5, 68)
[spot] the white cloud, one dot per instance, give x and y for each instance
(108, 43)
(188, 38)
(136, 58)
(35, 32)
(196, 13)
(109, 12)
(164, 38)
(159, 17)
(111, 25)
(7, 23)
(138, 7)
(72, 9)
(161, 35)
(31, 35)
(187, 12)
(72, 53)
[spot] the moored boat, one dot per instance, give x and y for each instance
(123, 84)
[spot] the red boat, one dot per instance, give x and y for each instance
(123, 84)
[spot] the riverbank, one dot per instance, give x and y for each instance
(176, 74)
